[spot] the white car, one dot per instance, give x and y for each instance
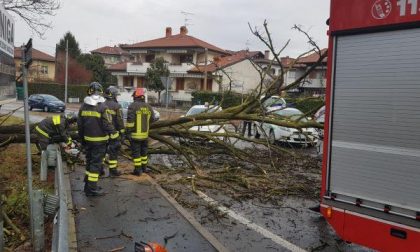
(274, 103)
(275, 133)
(125, 104)
(198, 109)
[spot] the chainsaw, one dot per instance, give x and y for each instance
(149, 247)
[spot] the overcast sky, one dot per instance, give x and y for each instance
(224, 23)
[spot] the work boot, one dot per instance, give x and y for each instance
(145, 169)
(137, 172)
(114, 172)
(91, 190)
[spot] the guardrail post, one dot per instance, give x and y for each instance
(44, 166)
(38, 218)
(60, 240)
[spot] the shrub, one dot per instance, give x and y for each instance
(308, 105)
(230, 99)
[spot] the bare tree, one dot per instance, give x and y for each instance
(34, 12)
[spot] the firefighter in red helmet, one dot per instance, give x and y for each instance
(139, 117)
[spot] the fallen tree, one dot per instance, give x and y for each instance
(172, 134)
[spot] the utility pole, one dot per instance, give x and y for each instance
(67, 72)
(26, 62)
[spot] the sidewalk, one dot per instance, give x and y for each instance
(132, 210)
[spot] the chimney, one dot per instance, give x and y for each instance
(266, 54)
(168, 32)
(183, 30)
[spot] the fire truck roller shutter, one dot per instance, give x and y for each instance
(375, 143)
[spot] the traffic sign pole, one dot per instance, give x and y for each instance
(26, 62)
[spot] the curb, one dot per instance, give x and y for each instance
(72, 236)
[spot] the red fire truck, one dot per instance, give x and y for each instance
(371, 166)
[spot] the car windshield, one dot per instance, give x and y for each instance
(199, 110)
(273, 102)
(293, 114)
(124, 104)
(50, 98)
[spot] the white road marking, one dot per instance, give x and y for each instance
(275, 238)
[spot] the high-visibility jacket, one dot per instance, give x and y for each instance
(139, 117)
(115, 110)
(54, 128)
(95, 124)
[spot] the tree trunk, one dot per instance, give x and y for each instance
(159, 97)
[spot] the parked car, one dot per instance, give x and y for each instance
(320, 118)
(198, 109)
(46, 102)
(275, 133)
(125, 104)
(274, 103)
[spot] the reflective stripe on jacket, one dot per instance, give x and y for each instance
(54, 128)
(139, 117)
(115, 110)
(95, 124)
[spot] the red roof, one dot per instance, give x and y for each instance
(229, 60)
(175, 41)
(36, 55)
(118, 67)
(313, 58)
(111, 50)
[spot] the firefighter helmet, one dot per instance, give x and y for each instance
(111, 92)
(95, 88)
(71, 118)
(139, 93)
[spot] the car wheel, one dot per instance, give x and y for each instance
(272, 137)
(255, 132)
(46, 109)
(30, 108)
(62, 110)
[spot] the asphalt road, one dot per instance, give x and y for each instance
(131, 211)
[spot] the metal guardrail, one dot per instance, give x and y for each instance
(60, 242)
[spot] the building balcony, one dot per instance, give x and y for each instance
(141, 68)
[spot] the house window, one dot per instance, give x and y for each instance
(150, 58)
(179, 84)
(44, 70)
(186, 58)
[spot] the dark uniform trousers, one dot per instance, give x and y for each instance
(139, 153)
(114, 147)
(95, 153)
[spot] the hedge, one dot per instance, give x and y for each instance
(73, 91)
(308, 105)
(229, 98)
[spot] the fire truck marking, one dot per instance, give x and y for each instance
(381, 9)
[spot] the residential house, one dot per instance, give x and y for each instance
(236, 71)
(112, 54)
(42, 68)
(315, 83)
(182, 52)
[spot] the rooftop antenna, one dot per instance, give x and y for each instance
(186, 19)
(247, 44)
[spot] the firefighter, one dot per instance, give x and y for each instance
(115, 110)
(95, 129)
(54, 130)
(139, 116)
